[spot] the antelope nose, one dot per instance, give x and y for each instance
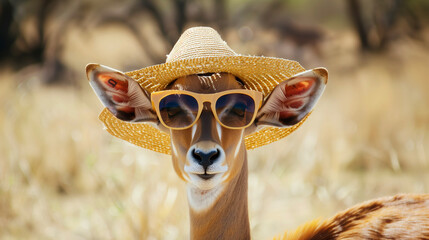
(204, 158)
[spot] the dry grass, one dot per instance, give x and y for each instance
(61, 175)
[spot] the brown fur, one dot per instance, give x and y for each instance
(228, 218)
(404, 216)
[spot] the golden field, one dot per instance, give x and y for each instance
(62, 176)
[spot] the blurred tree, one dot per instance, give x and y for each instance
(294, 37)
(275, 16)
(7, 35)
(20, 46)
(377, 23)
(172, 16)
(34, 31)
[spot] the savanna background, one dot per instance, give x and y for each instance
(63, 177)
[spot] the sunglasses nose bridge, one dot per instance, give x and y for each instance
(207, 104)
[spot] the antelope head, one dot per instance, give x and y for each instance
(208, 116)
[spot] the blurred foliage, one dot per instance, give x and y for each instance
(35, 31)
(386, 20)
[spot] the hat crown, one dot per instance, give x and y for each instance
(199, 42)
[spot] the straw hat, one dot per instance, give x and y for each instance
(201, 50)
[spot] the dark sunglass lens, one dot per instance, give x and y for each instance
(235, 110)
(178, 110)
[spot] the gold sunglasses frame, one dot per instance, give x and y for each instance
(206, 97)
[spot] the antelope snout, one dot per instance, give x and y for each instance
(206, 159)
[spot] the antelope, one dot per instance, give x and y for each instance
(208, 115)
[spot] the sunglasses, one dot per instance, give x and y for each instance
(233, 109)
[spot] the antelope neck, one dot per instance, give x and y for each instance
(226, 217)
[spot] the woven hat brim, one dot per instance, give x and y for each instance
(258, 73)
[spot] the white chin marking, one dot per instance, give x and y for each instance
(200, 200)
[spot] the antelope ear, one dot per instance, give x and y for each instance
(293, 99)
(121, 94)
